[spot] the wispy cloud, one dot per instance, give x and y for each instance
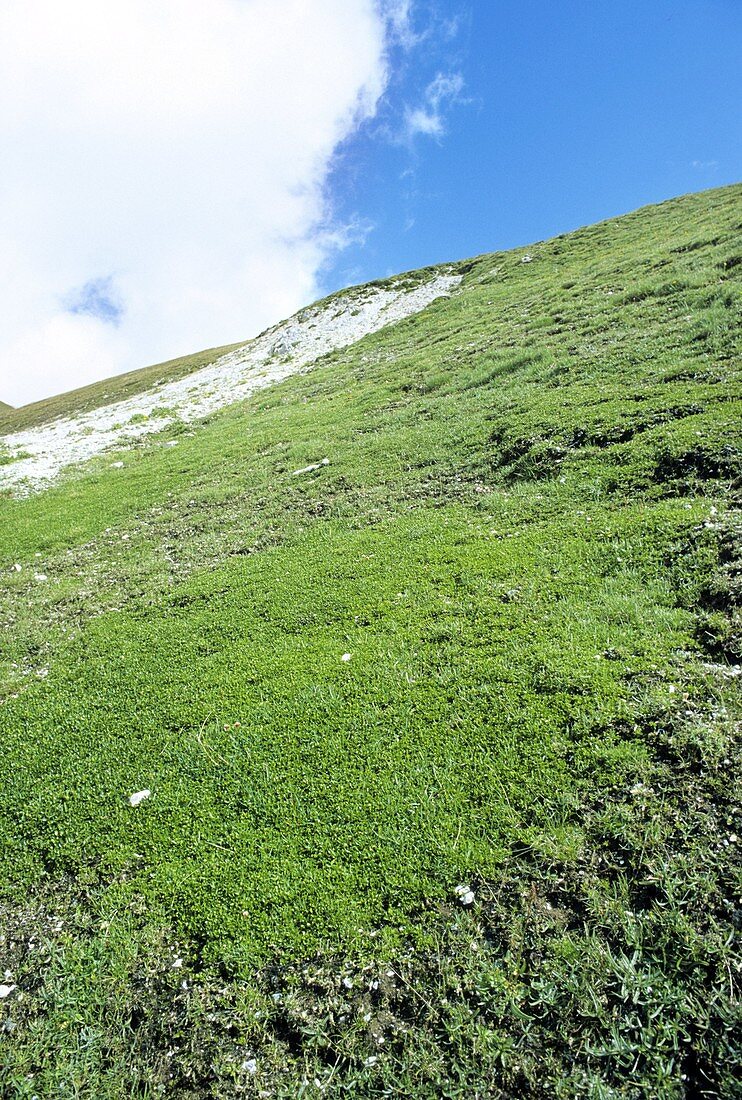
(399, 15)
(429, 117)
(704, 165)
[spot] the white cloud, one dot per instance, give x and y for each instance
(171, 159)
(399, 16)
(429, 118)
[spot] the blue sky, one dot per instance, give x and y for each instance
(181, 175)
(570, 112)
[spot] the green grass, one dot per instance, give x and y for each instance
(527, 542)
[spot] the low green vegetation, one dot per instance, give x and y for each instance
(492, 645)
(6, 457)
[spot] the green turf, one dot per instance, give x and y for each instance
(526, 542)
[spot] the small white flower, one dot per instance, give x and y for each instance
(465, 894)
(345, 657)
(348, 983)
(16, 568)
(6, 990)
(177, 964)
(250, 1066)
(139, 796)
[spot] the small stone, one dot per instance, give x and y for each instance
(139, 796)
(6, 990)
(312, 467)
(116, 465)
(345, 657)
(250, 1066)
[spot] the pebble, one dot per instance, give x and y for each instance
(311, 468)
(139, 796)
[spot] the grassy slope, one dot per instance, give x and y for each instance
(515, 542)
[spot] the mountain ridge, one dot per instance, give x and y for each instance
(86, 397)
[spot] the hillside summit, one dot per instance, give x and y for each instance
(369, 693)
